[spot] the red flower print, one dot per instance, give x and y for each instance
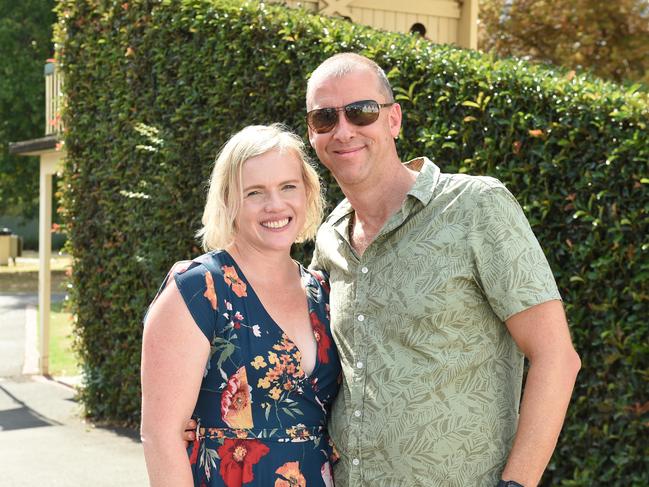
(290, 475)
(320, 278)
(194, 456)
(327, 475)
(237, 460)
(233, 280)
(236, 410)
(210, 292)
(321, 337)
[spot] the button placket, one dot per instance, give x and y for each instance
(361, 322)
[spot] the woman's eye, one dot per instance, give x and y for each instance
(290, 186)
(252, 193)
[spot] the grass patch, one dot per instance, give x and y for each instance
(63, 360)
(23, 275)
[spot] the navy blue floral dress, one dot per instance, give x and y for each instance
(262, 420)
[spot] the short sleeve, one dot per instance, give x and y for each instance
(196, 286)
(510, 265)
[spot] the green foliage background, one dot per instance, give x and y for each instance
(156, 87)
(25, 45)
(611, 39)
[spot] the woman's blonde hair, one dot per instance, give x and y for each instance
(224, 196)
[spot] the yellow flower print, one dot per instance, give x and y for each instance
(259, 362)
(272, 357)
(263, 383)
(275, 393)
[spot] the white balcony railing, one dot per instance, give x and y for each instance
(53, 99)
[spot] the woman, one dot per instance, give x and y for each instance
(260, 322)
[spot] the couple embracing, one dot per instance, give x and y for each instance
(395, 359)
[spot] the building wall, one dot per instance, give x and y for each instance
(445, 21)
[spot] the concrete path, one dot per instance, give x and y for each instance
(13, 310)
(43, 440)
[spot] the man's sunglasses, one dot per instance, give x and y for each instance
(364, 112)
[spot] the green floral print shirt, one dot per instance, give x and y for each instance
(431, 376)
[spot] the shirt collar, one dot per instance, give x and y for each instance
(426, 181)
(422, 190)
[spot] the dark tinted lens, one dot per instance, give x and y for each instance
(362, 112)
(322, 120)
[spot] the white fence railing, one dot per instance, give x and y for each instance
(53, 99)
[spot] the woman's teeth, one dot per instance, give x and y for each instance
(276, 223)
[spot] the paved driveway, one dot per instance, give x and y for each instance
(43, 439)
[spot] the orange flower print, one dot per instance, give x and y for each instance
(210, 292)
(298, 433)
(233, 280)
(236, 409)
(290, 475)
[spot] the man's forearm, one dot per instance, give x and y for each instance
(549, 385)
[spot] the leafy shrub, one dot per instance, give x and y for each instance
(155, 88)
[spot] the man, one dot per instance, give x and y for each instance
(438, 288)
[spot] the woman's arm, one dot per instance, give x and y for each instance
(174, 354)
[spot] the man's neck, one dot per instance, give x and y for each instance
(374, 205)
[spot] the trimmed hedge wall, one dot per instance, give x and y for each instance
(156, 87)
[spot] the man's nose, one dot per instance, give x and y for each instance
(344, 129)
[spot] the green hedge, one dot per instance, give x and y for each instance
(156, 87)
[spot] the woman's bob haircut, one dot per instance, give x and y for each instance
(224, 196)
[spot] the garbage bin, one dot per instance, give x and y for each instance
(11, 246)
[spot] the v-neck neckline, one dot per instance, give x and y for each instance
(252, 293)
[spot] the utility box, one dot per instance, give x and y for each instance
(11, 246)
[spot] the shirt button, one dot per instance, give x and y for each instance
(356, 461)
(357, 413)
(364, 270)
(361, 318)
(359, 365)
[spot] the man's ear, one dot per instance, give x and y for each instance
(395, 120)
(310, 133)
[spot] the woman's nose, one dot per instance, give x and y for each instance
(274, 201)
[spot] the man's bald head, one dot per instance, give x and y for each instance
(342, 64)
